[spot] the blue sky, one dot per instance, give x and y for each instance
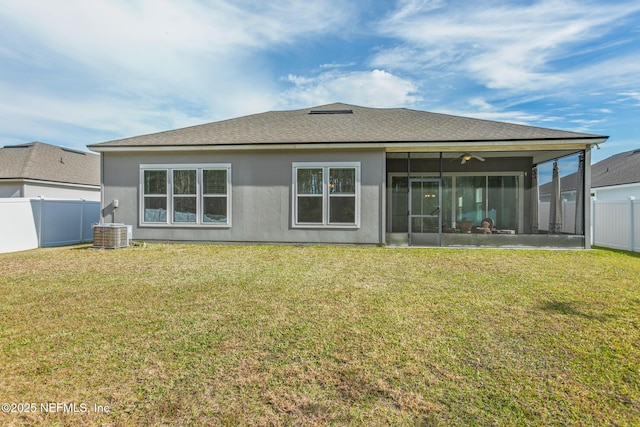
(78, 72)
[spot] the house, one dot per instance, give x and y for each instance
(615, 192)
(617, 177)
(37, 169)
(614, 178)
(49, 196)
(339, 173)
(614, 181)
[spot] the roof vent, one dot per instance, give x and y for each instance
(19, 146)
(331, 112)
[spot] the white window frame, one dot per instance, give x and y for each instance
(199, 168)
(326, 194)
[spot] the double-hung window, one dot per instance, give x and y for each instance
(154, 195)
(326, 194)
(185, 194)
(215, 192)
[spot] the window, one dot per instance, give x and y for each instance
(154, 200)
(214, 196)
(192, 194)
(326, 194)
(465, 197)
(475, 197)
(184, 195)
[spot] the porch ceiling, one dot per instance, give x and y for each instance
(538, 156)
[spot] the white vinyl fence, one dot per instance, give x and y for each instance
(616, 224)
(31, 223)
(568, 216)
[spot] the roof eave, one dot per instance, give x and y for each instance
(391, 146)
(50, 182)
(61, 183)
(616, 186)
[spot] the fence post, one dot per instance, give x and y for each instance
(631, 221)
(593, 220)
(82, 221)
(40, 214)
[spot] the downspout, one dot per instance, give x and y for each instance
(101, 188)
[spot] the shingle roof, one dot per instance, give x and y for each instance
(622, 168)
(343, 123)
(46, 162)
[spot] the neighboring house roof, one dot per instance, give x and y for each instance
(619, 169)
(45, 162)
(343, 123)
(622, 168)
(567, 183)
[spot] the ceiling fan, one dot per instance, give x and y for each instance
(468, 156)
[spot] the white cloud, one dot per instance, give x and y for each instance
(83, 26)
(511, 116)
(128, 67)
(480, 108)
(165, 45)
(335, 65)
(409, 8)
(500, 60)
(375, 88)
(615, 73)
(106, 116)
(633, 96)
(577, 122)
(480, 103)
(501, 45)
(120, 68)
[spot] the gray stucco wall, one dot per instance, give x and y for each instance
(261, 196)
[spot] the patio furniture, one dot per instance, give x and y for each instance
(465, 226)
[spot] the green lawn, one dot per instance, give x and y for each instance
(284, 335)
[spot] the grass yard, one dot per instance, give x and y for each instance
(282, 335)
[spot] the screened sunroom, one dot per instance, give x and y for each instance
(485, 199)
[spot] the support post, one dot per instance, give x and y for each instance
(588, 239)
